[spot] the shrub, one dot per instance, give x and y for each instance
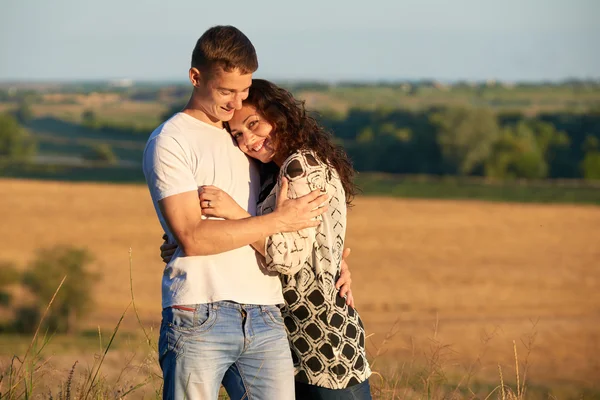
(101, 153)
(74, 298)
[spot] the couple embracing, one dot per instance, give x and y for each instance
(252, 194)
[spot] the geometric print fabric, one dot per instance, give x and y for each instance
(327, 337)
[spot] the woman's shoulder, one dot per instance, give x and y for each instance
(300, 164)
(305, 169)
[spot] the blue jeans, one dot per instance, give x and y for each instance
(362, 391)
(304, 391)
(199, 343)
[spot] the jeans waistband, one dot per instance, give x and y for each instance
(226, 304)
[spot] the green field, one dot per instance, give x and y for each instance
(456, 188)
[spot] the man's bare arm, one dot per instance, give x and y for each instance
(199, 237)
(217, 203)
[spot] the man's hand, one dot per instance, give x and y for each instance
(344, 283)
(167, 249)
(296, 214)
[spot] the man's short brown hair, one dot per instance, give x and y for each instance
(225, 47)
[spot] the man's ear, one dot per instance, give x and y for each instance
(195, 77)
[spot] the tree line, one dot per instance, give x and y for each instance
(461, 141)
(470, 142)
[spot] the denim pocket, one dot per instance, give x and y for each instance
(272, 316)
(200, 319)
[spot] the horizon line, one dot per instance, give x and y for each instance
(133, 81)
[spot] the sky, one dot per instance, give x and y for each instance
(322, 40)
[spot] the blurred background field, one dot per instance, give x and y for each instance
(462, 278)
(456, 143)
(444, 280)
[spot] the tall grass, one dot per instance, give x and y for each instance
(22, 378)
(428, 373)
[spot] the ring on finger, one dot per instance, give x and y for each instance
(208, 203)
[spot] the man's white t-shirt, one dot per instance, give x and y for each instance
(181, 155)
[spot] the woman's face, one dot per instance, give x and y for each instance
(253, 134)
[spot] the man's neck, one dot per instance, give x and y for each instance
(195, 111)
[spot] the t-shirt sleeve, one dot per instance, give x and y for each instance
(168, 168)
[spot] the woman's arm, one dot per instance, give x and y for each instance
(287, 253)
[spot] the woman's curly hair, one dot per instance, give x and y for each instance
(296, 130)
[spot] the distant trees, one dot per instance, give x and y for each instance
(466, 137)
(590, 165)
(439, 140)
(525, 150)
(136, 128)
(24, 113)
(516, 154)
(15, 142)
(470, 142)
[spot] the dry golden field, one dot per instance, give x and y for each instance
(432, 273)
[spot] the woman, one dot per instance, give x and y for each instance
(326, 335)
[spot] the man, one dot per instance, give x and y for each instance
(219, 308)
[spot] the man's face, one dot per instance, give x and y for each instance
(219, 94)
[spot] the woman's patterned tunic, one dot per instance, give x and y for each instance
(327, 336)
